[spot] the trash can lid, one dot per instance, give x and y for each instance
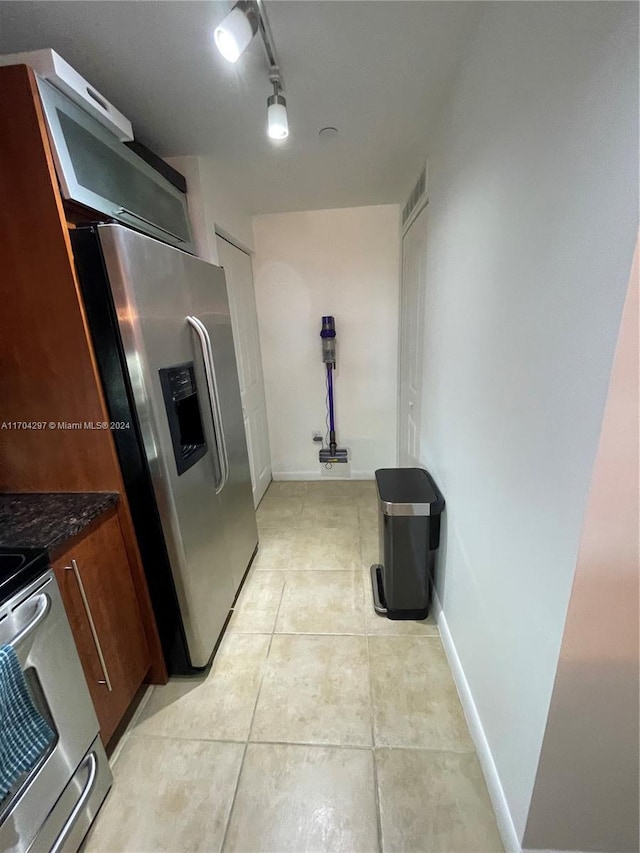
(408, 491)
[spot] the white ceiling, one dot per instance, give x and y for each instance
(378, 71)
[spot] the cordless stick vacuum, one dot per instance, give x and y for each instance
(333, 453)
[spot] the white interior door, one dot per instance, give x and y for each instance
(414, 261)
(244, 320)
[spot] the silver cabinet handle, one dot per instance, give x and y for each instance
(76, 571)
(42, 609)
(214, 400)
(69, 823)
(122, 211)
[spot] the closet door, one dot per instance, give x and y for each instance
(414, 262)
(244, 320)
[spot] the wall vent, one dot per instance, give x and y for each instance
(416, 200)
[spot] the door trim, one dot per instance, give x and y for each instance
(257, 442)
(229, 238)
(404, 232)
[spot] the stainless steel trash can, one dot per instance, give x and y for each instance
(410, 506)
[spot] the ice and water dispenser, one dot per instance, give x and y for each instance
(180, 394)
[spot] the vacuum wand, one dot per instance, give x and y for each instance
(332, 425)
(333, 453)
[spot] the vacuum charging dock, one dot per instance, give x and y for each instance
(327, 457)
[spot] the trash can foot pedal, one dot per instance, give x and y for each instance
(378, 592)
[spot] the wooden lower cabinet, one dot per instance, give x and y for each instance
(94, 577)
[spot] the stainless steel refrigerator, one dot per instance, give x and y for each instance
(161, 328)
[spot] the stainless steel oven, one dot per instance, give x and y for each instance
(51, 807)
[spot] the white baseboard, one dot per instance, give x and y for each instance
(316, 475)
(494, 786)
(537, 850)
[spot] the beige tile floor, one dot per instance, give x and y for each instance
(320, 726)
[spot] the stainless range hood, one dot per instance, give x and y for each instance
(98, 171)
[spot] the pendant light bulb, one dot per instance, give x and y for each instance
(277, 121)
(234, 34)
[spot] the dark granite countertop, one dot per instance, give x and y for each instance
(48, 520)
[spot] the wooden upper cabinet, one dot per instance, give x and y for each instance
(101, 603)
(48, 370)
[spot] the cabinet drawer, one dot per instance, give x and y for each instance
(97, 589)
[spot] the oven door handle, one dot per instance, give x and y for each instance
(42, 611)
(92, 762)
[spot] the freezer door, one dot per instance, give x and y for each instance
(210, 306)
(150, 282)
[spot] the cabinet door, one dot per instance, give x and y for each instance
(99, 596)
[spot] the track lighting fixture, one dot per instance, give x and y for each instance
(234, 34)
(277, 122)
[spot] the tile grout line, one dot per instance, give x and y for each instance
(277, 616)
(312, 744)
(233, 799)
(376, 789)
(253, 714)
(376, 786)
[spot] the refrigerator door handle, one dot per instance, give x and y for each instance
(214, 400)
(213, 384)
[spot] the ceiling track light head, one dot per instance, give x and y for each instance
(276, 98)
(277, 119)
(234, 34)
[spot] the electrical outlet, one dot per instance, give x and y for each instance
(316, 435)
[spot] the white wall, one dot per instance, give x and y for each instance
(590, 757)
(532, 220)
(346, 263)
(214, 204)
